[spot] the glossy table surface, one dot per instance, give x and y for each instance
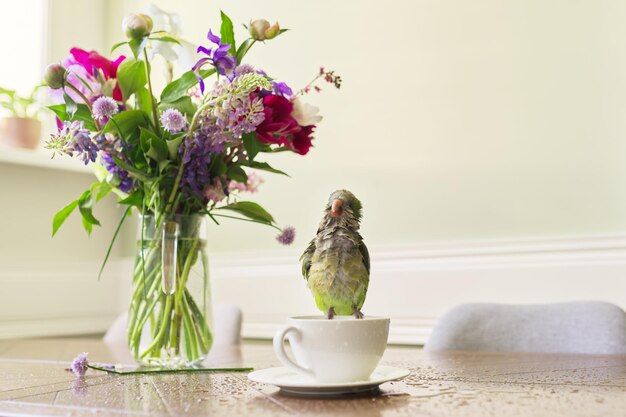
(33, 381)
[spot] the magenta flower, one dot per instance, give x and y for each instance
(79, 364)
(173, 121)
(287, 236)
(218, 56)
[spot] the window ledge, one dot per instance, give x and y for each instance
(41, 158)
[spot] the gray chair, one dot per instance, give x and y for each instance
(572, 327)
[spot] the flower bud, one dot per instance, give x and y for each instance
(137, 25)
(272, 31)
(54, 76)
(258, 27)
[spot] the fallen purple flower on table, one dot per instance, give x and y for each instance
(79, 364)
(107, 366)
(287, 236)
(79, 387)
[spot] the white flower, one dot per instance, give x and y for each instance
(170, 23)
(305, 113)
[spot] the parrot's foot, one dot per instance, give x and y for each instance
(331, 313)
(357, 313)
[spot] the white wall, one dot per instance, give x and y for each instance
(457, 120)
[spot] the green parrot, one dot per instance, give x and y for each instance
(336, 264)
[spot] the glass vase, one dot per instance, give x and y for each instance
(169, 320)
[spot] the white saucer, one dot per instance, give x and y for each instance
(292, 383)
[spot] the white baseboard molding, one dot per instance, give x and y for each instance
(412, 284)
(58, 298)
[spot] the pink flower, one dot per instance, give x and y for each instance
(215, 192)
(92, 60)
(79, 364)
(251, 186)
(286, 236)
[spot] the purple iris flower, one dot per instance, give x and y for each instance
(218, 56)
(282, 89)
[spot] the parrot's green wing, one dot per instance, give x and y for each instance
(366, 256)
(306, 259)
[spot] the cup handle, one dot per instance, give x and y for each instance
(279, 349)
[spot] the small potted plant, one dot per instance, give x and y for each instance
(20, 128)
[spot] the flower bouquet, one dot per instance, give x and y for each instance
(179, 157)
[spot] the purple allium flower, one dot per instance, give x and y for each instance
(103, 108)
(125, 181)
(173, 121)
(287, 236)
(73, 139)
(218, 56)
(79, 364)
(243, 69)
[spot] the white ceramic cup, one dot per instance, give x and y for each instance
(343, 349)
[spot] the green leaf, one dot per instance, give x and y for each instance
(135, 199)
(117, 45)
(236, 173)
(250, 210)
(244, 48)
(82, 114)
(264, 166)
(166, 39)
(100, 190)
(117, 230)
(70, 105)
(128, 122)
(87, 226)
(132, 171)
(131, 76)
(173, 144)
(251, 144)
(218, 167)
(179, 87)
(227, 33)
(137, 46)
(142, 100)
(153, 146)
(62, 215)
(183, 105)
(85, 204)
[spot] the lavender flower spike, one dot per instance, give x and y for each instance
(173, 121)
(287, 236)
(79, 364)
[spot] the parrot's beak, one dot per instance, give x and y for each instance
(336, 209)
